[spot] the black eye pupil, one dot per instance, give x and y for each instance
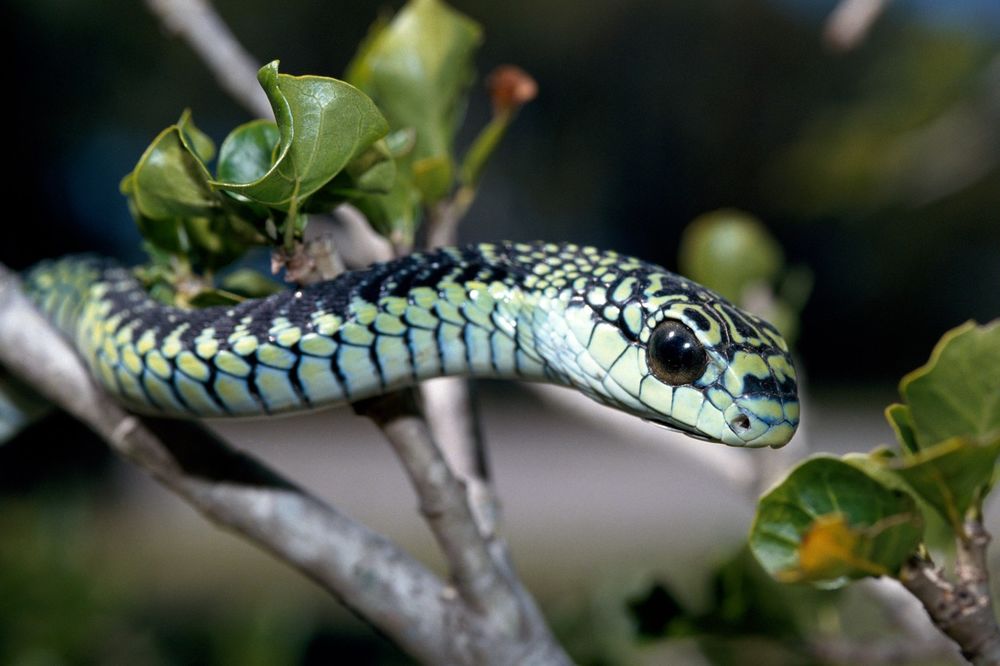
(674, 354)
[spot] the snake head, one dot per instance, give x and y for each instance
(678, 355)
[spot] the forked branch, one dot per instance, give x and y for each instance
(369, 573)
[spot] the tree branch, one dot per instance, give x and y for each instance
(443, 503)
(480, 565)
(367, 572)
(197, 23)
(962, 610)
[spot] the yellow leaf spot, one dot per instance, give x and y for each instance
(829, 549)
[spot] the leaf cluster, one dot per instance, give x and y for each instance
(832, 520)
(382, 140)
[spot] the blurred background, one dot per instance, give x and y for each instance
(876, 168)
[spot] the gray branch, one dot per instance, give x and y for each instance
(198, 24)
(961, 609)
(482, 571)
(366, 571)
(449, 401)
(443, 504)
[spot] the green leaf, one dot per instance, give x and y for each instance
(213, 241)
(880, 464)
(170, 181)
(828, 522)
(207, 298)
(248, 152)
(957, 392)
(373, 170)
(167, 234)
(951, 476)
(901, 422)
(324, 124)
(251, 284)
(194, 139)
(395, 214)
(172, 202)
(432, 176)
(728, 250)
(418, 68)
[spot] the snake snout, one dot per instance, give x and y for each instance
(756, 421)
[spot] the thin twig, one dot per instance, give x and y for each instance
(197, 23)
(483, 574)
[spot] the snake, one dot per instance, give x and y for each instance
(626, 333)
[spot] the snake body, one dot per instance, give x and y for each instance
(625, 332)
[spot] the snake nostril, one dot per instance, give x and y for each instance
(742, 422)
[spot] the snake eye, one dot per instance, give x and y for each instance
(674, 354)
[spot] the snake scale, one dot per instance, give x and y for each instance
(625, 332)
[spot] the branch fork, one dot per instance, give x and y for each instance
(962, 609)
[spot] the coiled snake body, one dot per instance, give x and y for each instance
(627, 333)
